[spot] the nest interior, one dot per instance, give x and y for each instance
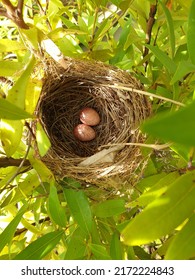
(67, 90)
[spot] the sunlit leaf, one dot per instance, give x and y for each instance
(57, 212)
(109, 208)
(163, 58)
(191, 32)
(182, 246)
(10, 111)
(178, 126)
(39, 248)
(155, 190)
(76, 248)
(23, 190)
(60, 32)
(116, 247)
(8, 68)
(184, 67)
(79, 206)
(170, 27)
(8, 233)
(7, 45)
(11, 131)
(99, 252)
(43, 171)
(42, 140)
(10, 135)
(164, 214)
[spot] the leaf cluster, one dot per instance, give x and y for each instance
(43, 219)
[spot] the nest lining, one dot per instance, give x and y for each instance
(86, 84)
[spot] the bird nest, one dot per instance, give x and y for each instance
(79, 84)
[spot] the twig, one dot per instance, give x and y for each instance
(150, 24)
(14, 13)
(44, 12)
(21, 230)
(5, 162)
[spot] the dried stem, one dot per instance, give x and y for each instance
(118, 86)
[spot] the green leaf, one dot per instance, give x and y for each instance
(116, 247)
(7, 235)
(10, 111)
(44, 172)
(183, 245)
(42, 140)
(184, 67)
(31, 37)
(10, 135)
(79, 206)
(164, 214)
(109, 208)
(99, 252)
(155, 190)
(178, 127)
(24, 188)
(146, 183)
(57, 212)
(38, 249)
(170, 27)
(8, 68)
(7, 45)
(11, 131)
(77, 249)
(191, 32)
(163, 58)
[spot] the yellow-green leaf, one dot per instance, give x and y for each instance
(8, 68)
(42, 140)
(183, 245)
(79, 206)
(57, 212)
(7, 235)
(109, 208)
(191, 32)
(10, 135)
(164, 214)
(11, 131)
(7, 45)
(10, 111)
(38, 249)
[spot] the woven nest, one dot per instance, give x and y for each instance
(67, 90)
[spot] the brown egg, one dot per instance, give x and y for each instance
(84, 132)
(89, 116)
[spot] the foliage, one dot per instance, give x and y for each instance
(44, 219)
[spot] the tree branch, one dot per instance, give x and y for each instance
(150, 24)
(5, 162)
(14, 13)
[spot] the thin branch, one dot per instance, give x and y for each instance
(20, 6)
(150, 24)
(3, 12)
(5, 162)
(14, 13)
